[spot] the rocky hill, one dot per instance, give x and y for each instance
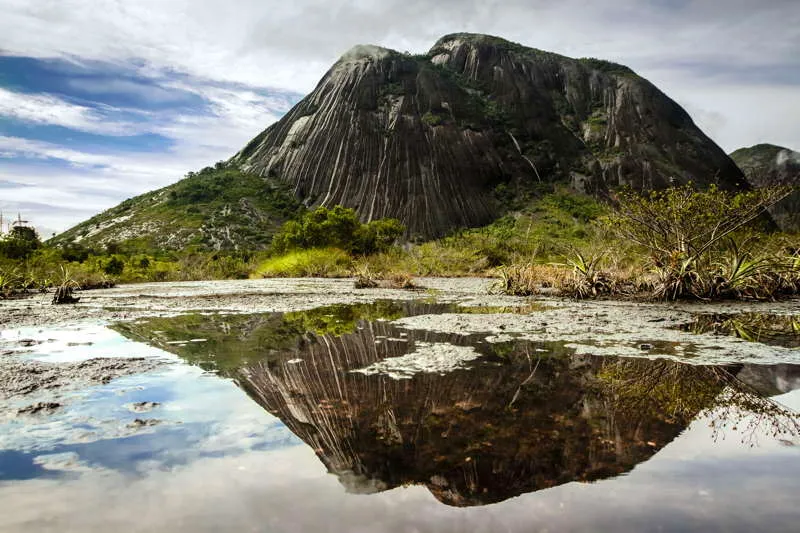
(765, 165)
(428, 139)
(456, 137)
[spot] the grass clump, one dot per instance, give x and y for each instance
(366, 279)
(315, 262)
(528, 279)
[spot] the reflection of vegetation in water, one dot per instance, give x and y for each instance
(226, 341)
(342, 318)
(499, 309)
(524, 417)
(231, 341)
(665, 388)
(781, 330)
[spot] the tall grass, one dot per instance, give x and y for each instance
(316, 262)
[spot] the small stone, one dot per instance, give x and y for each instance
(143, 407)
(41, 407)
(645, 347)
(140, 422)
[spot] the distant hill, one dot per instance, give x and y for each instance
(475, 128)
(218, 208)
(765, 165)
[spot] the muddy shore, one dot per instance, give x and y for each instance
(130, 302)
(590, 327)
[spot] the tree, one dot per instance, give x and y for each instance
(20, 242)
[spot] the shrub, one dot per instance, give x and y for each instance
(685, 232)
(114, 266)
(681, 220)
(432, 119)
(338, 227)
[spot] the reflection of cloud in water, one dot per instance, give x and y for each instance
(692, 484)
(527, 416)
(77, 343)
(200, 416)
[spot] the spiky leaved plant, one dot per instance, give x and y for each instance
(587, 279)
(9, 281)
(63, 294)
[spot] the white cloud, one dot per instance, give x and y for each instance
(765, 114)
(291, 44)
(48, 109)
(84, 183)
(149, 92)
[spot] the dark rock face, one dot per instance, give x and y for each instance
(766, 165)
(427, 139)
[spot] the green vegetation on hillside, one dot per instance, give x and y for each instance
(217, 208)
(338, 227)
(323, 243)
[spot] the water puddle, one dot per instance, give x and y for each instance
(284, 421)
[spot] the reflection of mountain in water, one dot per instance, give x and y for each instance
(522, 417)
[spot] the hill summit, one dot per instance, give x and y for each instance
(766, 165)
(428, 139)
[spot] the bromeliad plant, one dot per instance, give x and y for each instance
(63, 294)
(9, 283)
(740, 275)
(587, 279)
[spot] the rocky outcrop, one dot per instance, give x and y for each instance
(767, 165)
(428, 139)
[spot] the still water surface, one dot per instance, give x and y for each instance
(337, 420)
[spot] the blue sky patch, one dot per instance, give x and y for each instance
(71, 127)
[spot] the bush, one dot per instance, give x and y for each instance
(432, 119)
(114, 266)
(685, 222)
(338, 227)
(694, 240)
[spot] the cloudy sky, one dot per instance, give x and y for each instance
(101, 100)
